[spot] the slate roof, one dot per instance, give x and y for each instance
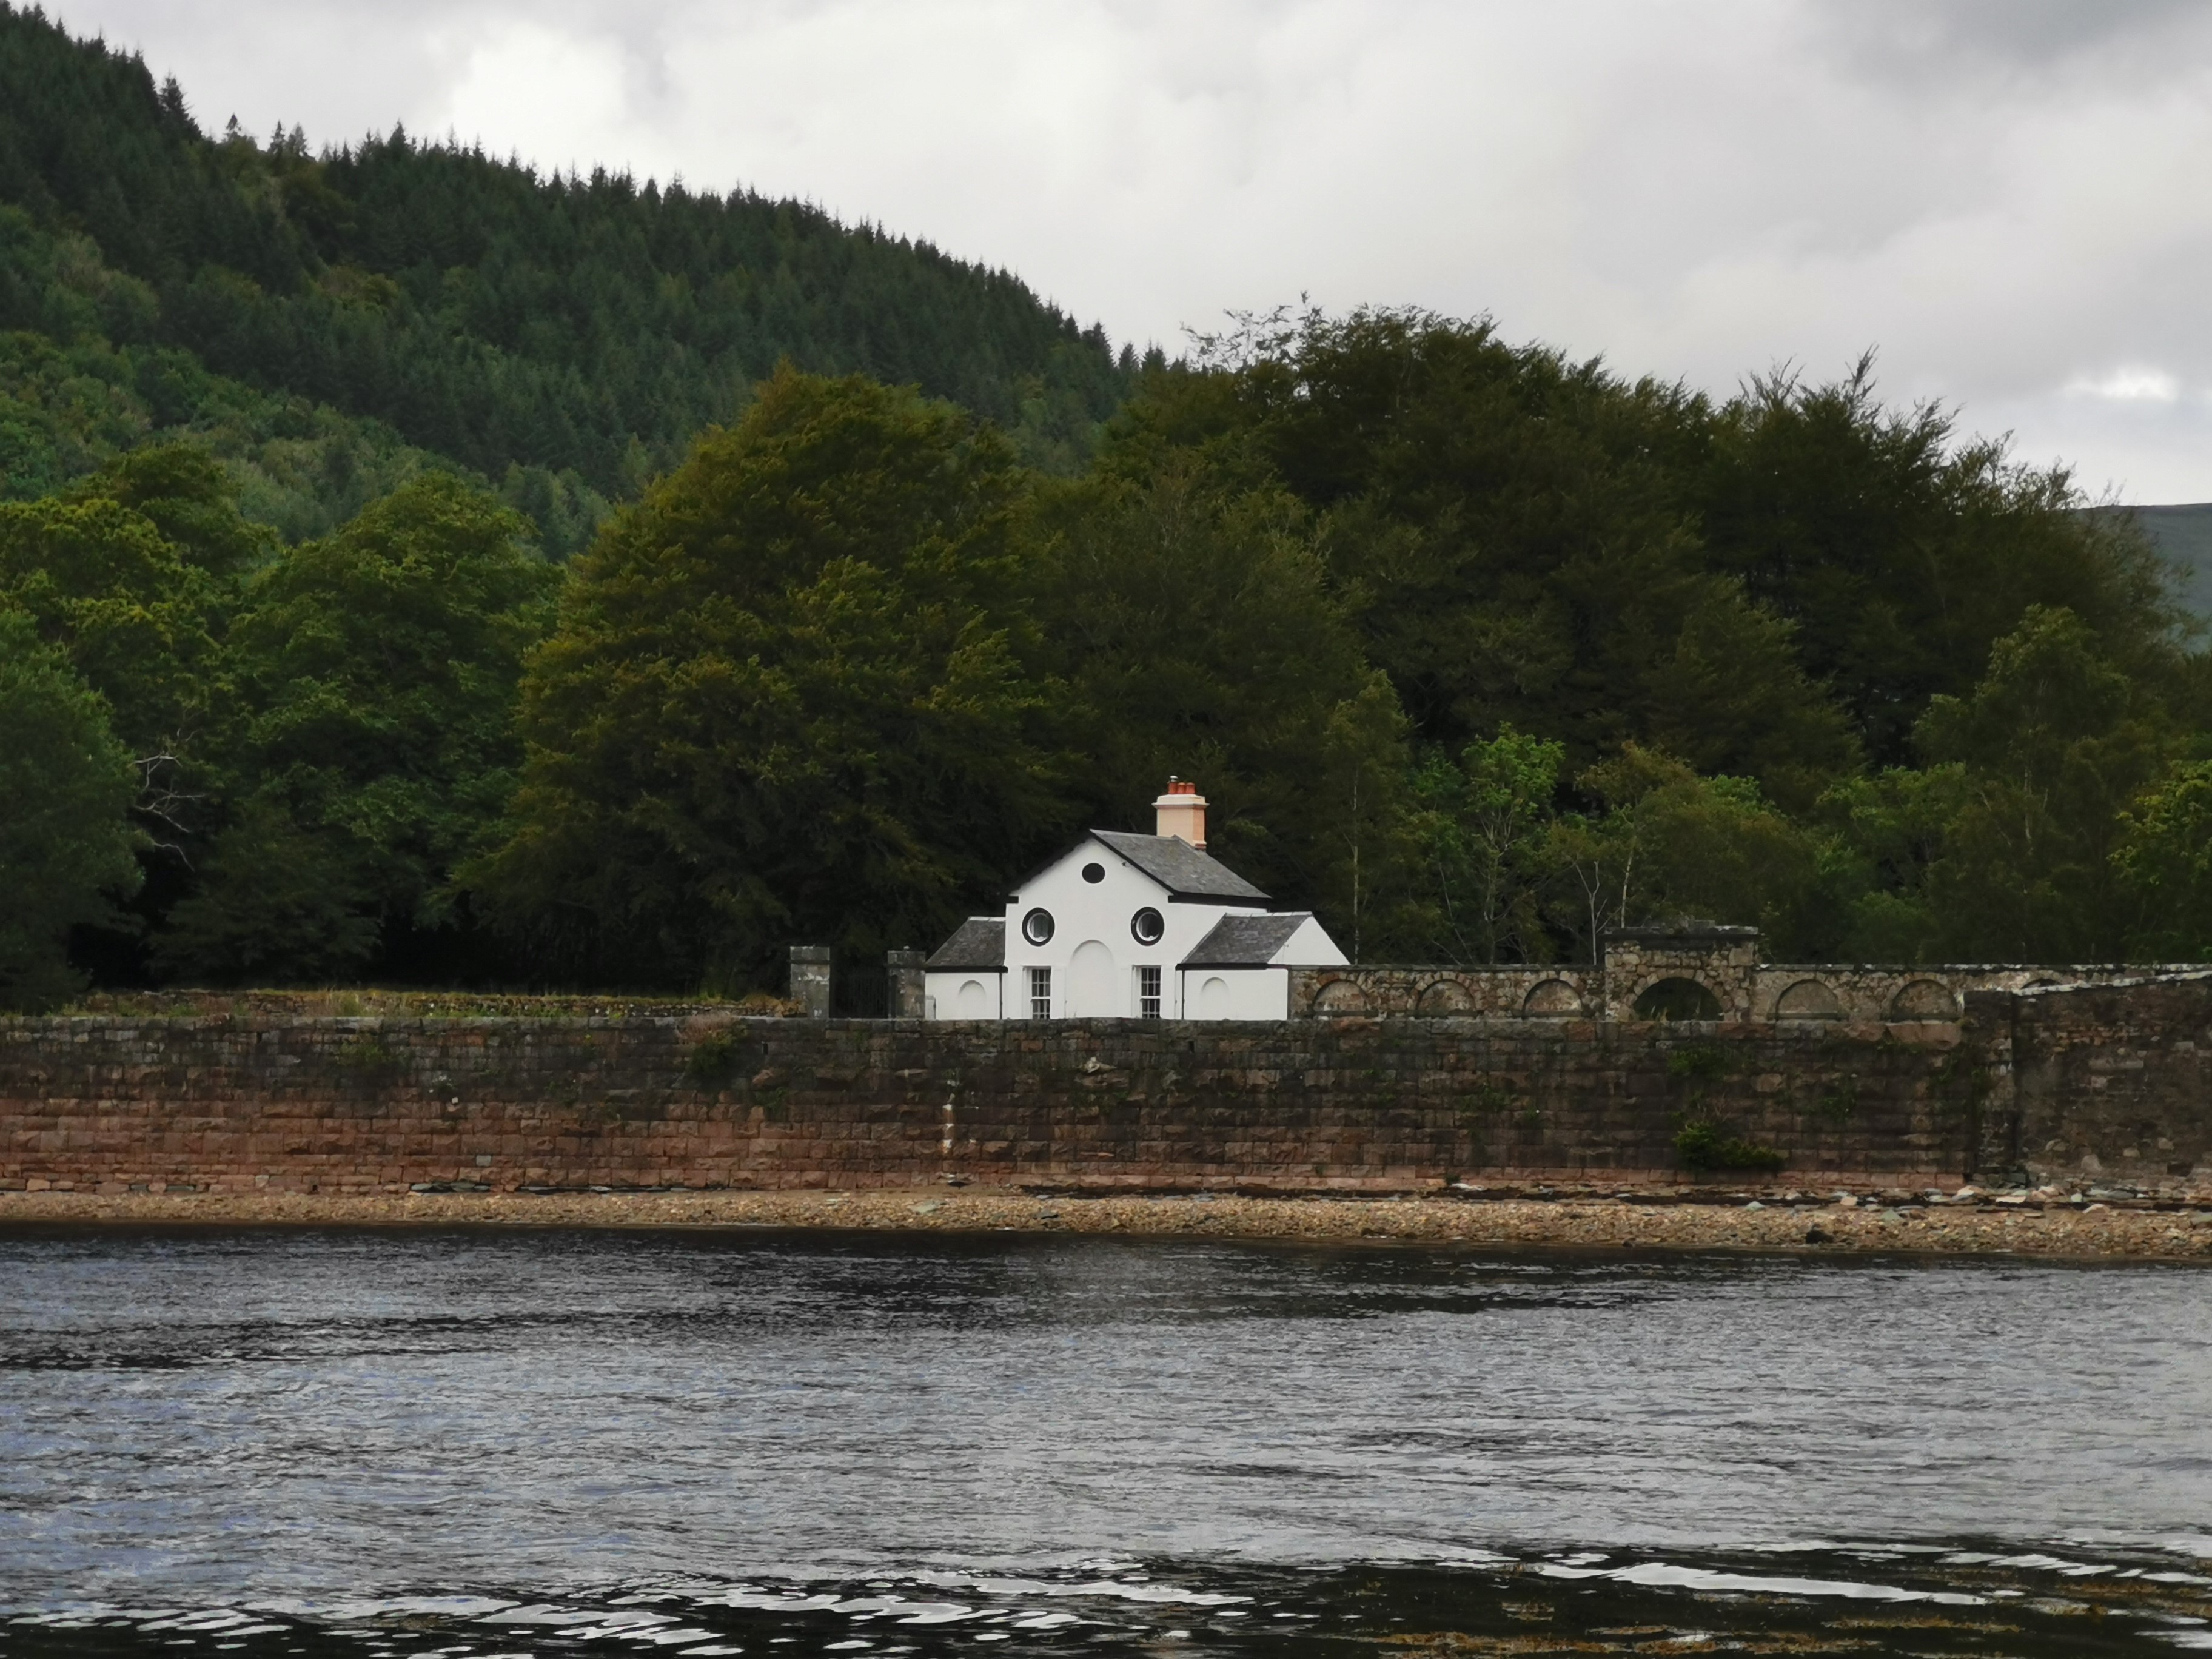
(1246, 941)
(978, 942)
(1181, 868)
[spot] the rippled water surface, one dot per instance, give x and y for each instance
(451, 1443)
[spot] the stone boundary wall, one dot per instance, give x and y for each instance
(2090, 1083)
(2108, 1082)
(340, 1104)
(1744, 990)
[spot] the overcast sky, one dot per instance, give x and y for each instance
(2011, 200)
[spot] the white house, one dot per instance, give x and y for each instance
(1126, 927)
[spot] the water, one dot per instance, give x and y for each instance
(398, 1445)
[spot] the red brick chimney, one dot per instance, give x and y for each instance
(1182, 812)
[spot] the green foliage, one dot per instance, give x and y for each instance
(1701, 1141)
(273, 902)
(1900, 555)
(1358, 776)
(1767, 588)
(186, 496)
(1839, 1104)
(1480, 825)
(373, 676)
(1477, 650)
(65, 848)
(1191, 623)
(2056, 741)
(1704, 1144)
(130, 612)
(713, 1061)
(1514, 534)
(1731, 697)
(71, 408)
(369, 1061)
(1889, 832)
(1697, 1062)
(2164, 861)
(1667, 843)
(584, 327)
(1714, 847)
(1488, 1102)
(2013, 844)
(786, 698)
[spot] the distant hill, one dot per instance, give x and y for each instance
(564, 335)
(2183, 535)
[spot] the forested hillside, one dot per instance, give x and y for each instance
(414, 571)
(562, 337)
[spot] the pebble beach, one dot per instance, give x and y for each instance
(2056, 1226)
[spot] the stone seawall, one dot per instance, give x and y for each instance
(110, 1102)
(2105, 1082)
(2097, 1083)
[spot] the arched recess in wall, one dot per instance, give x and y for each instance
(1924, 999)
(1677, 999)
(1445, 999)
(1340, 996)
(1552, 999)
(971, 1001)
(1094, 984)
(1213, 999)
(1808, 999)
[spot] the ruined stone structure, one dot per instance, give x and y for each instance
(1690, 971)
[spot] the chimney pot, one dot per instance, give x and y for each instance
(1181, 813)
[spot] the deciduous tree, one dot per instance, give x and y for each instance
(1481, 823)
(789, 698)
(372, 739)
(65, 843)
(1191, 622)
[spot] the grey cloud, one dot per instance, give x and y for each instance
(1966, 42)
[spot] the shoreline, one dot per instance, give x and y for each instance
(1976, 1227)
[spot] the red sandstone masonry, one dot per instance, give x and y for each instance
(2099, 1083)
(353, 1105)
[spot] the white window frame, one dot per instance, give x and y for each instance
(1040, 993)
(1150, 1001)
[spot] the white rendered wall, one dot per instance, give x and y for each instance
(967, 994)
(1311, 947)
(1102, 984)
(1237, 993)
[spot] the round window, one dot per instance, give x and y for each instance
(1094, 874)
(1147, 925)
(1036, 928)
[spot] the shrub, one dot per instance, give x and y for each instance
(1702, 1143)
(713, 1060)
